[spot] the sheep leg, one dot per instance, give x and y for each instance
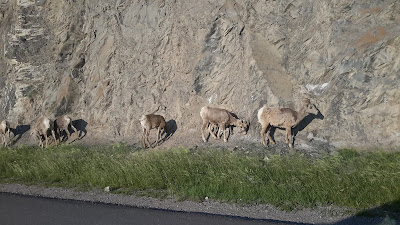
(45, 138)
(143, 138)
(287, 138)
(216, 131)
(40, 142)
(269, 135)
(205, 123)
(5, 138)
(224, 129)
(210, 126)
(57, 133)
(39, 137)
(209, 129)
(9, 136)
(147, 138)
(289, 134)
(263, 130)
(220, 131)
(53, 134)
(68, 134)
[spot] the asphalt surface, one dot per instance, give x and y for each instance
(19, 209)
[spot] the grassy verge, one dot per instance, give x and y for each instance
(349, 179)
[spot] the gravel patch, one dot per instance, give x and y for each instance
(320, 215)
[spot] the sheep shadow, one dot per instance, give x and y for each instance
(19, 131)
(80, 126)
(172, 127)
(307, 120)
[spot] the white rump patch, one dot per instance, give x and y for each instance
(46, 123)
(68, 120)
(3, 125)
(143, 121)
(260, 111)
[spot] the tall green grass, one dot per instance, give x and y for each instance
(350, 179)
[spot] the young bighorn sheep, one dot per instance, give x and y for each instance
(42, 128)
(284, 118)
(62, 123)
(221, 117)
(214, 128)
(149, 122)
(5, 131)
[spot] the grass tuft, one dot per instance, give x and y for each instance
(352, 179)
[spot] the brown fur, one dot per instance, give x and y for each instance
(221, 117)
(149, 122)
(61, 124)
(284, 118)
(41, 129)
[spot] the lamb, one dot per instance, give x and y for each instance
(42, 128)
(284, 118)
(214, 128)
(152, 121)
(62, 123)
(221, 117)
(5, 131)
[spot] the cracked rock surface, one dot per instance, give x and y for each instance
(106, 63)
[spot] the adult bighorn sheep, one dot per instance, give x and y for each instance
(42, 128)
(284, 118)
(221, 117)
(152, 121)
(62, 123)
(5, 131)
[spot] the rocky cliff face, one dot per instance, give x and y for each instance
(109, 62)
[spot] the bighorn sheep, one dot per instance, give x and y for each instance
(284, 118)
(5, 131)
(221, 117)
(61, 124)
(214, 128)
(41, 128)
(149, 122)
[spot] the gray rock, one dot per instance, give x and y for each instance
(109, 62)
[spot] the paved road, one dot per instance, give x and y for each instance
(21, 210)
